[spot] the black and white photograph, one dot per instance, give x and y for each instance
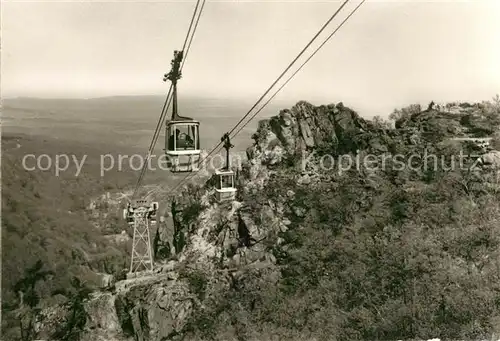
(250, 170)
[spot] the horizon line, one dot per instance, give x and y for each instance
(76, 97)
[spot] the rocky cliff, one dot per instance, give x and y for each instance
(227, 255)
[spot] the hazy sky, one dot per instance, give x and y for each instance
(388, 54)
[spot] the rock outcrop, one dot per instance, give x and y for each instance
(305, 128)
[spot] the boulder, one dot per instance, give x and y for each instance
(491, 159)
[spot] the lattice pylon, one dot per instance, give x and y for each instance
(142, 256)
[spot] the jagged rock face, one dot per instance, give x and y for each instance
(303, 128)
(103, 319)
(49, 320)
(162, 247)
(151, 308)
(106, 281)
(154, 311)
(232, 235)
(102, 323)
(224, 236)
(296, 133)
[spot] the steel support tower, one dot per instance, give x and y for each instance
(142, 256)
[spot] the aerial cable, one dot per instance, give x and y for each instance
(191, 25)
(192, 36)
(217, 147)
(272, 85)
(153, 142)
(156, 135)
(291, 64)
(301, 66)
(324, 42)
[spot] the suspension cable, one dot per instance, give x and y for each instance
(192, 36)
(301, 66)
(153, 142)
(274, 95)
(291, 64)
(191, 25)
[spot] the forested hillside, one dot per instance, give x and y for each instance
(43, 219)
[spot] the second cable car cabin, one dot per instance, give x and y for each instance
(225, 187)
(182, 137)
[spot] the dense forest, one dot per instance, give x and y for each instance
(45, 227)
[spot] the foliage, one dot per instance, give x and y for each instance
(197, 281)
(496, 101)
(380, 123)
(187, 216)
(495, 142)
(77, 316)
(29, 299)
(403, 114)
(397, 264)
(43, 220)
(161, 249)
(191, 212)
(25, 287)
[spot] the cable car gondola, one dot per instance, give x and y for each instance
(225, 187)
(182, 134)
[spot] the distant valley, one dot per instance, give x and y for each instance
(127, 122)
